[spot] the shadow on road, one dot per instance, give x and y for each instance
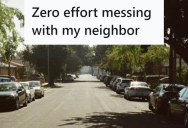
(7, 109)
(144, 119)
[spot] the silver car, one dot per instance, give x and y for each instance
(39, 90)
(122, 84)
(137, 89)
(29, 90)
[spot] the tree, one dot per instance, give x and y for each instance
(38, 56)
(73, 63)
(175, 26)
(84, 53)
(9, 37)
(157, 55)
(7, 26)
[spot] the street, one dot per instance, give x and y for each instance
(86, 103)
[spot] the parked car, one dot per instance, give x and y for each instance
(114, 85)
(108, 79)
(137, 89)
(105, 79)
(164, 80)
(112, 81)
(69, 78)
(122, 84)
(12, 94)
(98, 76)
(39, 90)
(73, 76)
(4, 79)
(178, 106)
(12, 78)
(164, 92)
(29, 90)
(102, 77)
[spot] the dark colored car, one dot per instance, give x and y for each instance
(105, 79)
(4, 79)
(178, 106)
(12, 94)
(122, 84)
(12, 78)
(112, 81)
(108, 79)
(158, 99)
(102, 78)
(114, 85)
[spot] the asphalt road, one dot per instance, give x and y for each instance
(86, 103)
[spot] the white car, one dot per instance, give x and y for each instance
(29, 90)
(137, 89)
(69, 78)
(39, 90)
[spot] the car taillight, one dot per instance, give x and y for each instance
(133, 88)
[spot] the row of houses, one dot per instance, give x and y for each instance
(17, 67)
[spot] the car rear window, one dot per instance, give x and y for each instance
(139, 84)
(35, 84)
(172, 88)
(7, 87)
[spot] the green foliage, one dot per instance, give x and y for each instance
(9, 37)
(73, 63)
(129, 59)
(38, 56)
(157, 55)
(175, 26)
(84, 53)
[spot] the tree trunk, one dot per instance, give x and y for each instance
(180, 66)
(9, 69)
(174, 68)
(171, 65)
(50, 66)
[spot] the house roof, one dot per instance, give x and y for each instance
(16, 64)
(4, 65)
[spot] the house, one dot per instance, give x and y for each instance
(4, 69)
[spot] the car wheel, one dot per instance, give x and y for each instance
(125, 97)
(17, 105)
(29, 99)
(150, 106)
(169, 115)
(43, 95)
(25, 104)
(186, 118)
(34, 98)
(117, 91)
(128, 96)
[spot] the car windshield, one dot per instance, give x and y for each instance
(7, 87)
(34, 84)
(25, 85)
(172, 88)
(139, 84)
(4, 80)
